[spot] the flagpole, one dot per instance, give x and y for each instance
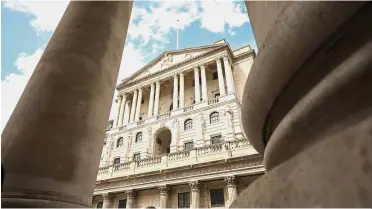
(177, 33)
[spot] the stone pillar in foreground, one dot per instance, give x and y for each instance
(195, 194)
(163, 196)
(231, 188)
(52, 143)
(130, 198)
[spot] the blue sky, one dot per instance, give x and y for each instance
(28, 25)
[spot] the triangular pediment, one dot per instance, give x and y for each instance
(170, 58)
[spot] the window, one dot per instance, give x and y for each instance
(188, 124)
(217, 198)
(189, 145)
(184, 200)
(117, 161)
(137, 157)
(143, 100)
(99, 204)
(122, 203)
(215, 76)
(138, 137)
(214, 117)
(216, 139)
(119, 142)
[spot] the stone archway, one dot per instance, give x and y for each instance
(162, 141)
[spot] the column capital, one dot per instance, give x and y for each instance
(194, 185)
(130, 193)
(106, 196)
(230, 180)
(181, 73)
(157, 82)
(140, 89)
(202, 66)
(135, 91)
(218, 60)
(163, 189)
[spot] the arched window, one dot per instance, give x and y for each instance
(138, 137)
(214, 117)
(119, 142)
(188, 124)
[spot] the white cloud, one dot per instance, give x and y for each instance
(14, 84)
(46, 14)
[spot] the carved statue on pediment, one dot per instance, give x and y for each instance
(188, 56)
(167, 60)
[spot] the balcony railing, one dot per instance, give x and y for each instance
(215, 152)
(166, 115)
(186, 109)
(213, 101)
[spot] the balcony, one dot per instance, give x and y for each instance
(210, 153)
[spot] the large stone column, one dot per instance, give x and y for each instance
(182, 91)
(116, 122)
(231, 189)
(163, 196)
(122, 110)
(133, 108)
(139, 102)
(175, 92)
(52, 143)
(126, 113)
(157, 95)
(221, 82)
(204, 83)
(197, 85)
(151, 100)
(195, 194)
(229, 76)
(106, 200)
(131, 194)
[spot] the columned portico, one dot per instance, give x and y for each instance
(163, 196)
(139, 102)
(157, 96)
(195, 194)
(106, 200)
(133, 109)
(151, 100)
(197, 85)
(122, 109)
(182, 90)
(229, 76)
(231, 188)
(221, 82)
(204, 83)
(175, 92)
(130, 198)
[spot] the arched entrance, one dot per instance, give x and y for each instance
(162, 142)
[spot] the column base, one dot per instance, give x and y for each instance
(38, 203)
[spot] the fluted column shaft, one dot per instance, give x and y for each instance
(221, 82)
(151, 100)
(195, 195)
(197, 85)
(133, 108)
(106, 200)
(126, 113)
(163, 197)
(122, 109)
(175, 92)
(157, 95)
(139, 102)
(118, 115)
(204, 83)
(131, 194)
(231, 188)
(182, 90)
(229, 76)
(52, 143)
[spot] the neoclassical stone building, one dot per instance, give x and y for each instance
(177, 141)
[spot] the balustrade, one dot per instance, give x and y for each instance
(209, 150)
(213, 101)
(103, 170)
(141, 122)
(186, 109)
(148, 162)
(122, 166)
(238, 144)
(177, 156)
(166, 115)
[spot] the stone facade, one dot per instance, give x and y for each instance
(164, 144)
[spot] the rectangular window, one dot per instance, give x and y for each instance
(217, 198)
(116, 161)
(122, 203)
(189, 145)
(184, 200)
(137, 157)
(216, 139)
(99, 204)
